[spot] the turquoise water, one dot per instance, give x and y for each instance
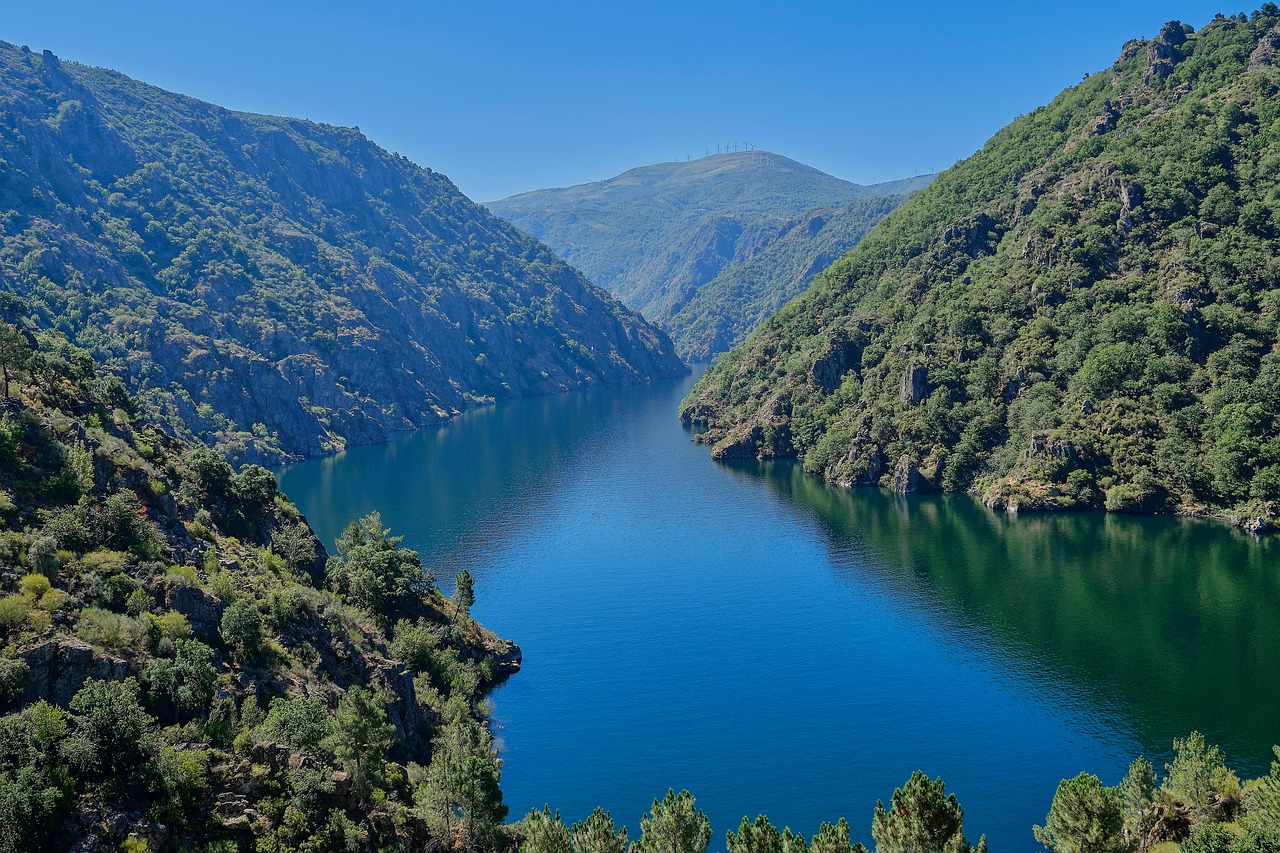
(777, 645)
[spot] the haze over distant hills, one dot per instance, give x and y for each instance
(706, 248)
(278, 286)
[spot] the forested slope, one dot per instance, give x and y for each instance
(706, 248)
(1081, 314)
(277, 286)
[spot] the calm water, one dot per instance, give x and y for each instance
(776, 645)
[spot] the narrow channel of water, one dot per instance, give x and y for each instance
(777, 645)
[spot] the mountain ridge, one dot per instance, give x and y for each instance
(224, 262)
(1080, 315)
(656, 235)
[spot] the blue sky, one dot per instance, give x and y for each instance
(506, 96)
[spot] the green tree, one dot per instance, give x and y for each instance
(674, 825)
(210, 472)
(921, 818)
(111, 734)
(597, 834)
(1138, 796)
(187, 681)
(1262, 803)
(299, 723)
(296, 545)
(464, 593)
(1198, 778)
(361, 736)
(241, 628)
(373, 572)
(761, 836)
(834, 838)
(15, 352)
(545, 833)
(460, 798)
(1085, 817)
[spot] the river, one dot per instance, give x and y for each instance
(778, 645)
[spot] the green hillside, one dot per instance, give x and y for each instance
(280, 287)
(1082, 314)
(182, 666)
(657, 236)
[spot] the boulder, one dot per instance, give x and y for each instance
(60, 667)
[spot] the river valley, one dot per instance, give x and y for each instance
(778, 645)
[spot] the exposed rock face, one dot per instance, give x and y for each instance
(283, 287)
(906, 477)
(1265, 52)
(60, 667)
(1163, 53)
(914, 384)
(202, 610)
(841, 355)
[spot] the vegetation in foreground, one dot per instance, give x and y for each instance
(1083, 314)
(183, 668)
(1197, 806)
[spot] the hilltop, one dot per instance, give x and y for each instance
(1083, 314)
(275, 286)
(708, 247)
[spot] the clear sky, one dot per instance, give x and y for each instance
(509, 96)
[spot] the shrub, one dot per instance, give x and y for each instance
(13, 611)
(110, 630)
(241, 628)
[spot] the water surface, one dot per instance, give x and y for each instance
(777, 645)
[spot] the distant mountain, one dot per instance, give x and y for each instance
(1083, 314)
(280, 287)
(657, 236)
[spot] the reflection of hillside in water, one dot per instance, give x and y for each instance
(1175, 621)
(461, 492)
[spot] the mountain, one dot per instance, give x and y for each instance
(280, 287)
(184, 669)
(657, 236)
(1082, 314)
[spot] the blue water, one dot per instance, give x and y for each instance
(776, 645)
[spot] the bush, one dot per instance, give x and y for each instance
(13, 611)
(110, 630)
(241, 628)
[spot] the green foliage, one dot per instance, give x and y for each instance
(361, 736)
(111, 734)
(709, 248)
(464, 593)
(297, 545)
(1085, 817)
(459, 797)
(1199, 778)
(597, 834)
(921, 818)
(1083, 298)
(834, 838)
(1138, 799)
(545, 833)
(373, 572)
(185, 682)
(303, 722)
(241, 628)
(763, 837)
(1210, 838)
(674, 825)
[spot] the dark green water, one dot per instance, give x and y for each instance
(777, 645)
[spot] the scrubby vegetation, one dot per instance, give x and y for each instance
(706, 249)
(182, 668)
(1082, 314)
(202, 252)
